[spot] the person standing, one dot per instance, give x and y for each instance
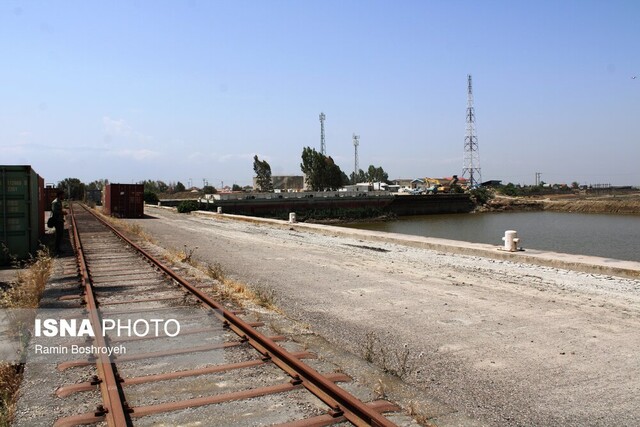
(57, 213)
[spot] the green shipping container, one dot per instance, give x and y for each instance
(19, 213)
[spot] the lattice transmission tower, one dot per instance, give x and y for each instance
(471, 161)
(356, 167)
(323, 147)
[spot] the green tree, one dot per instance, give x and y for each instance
(179, 187)
(73, 187)
(236, 187)
(509, 190)
(345, 179)
(481, 195)
(209, 189)
(98, 184)
(150, 186)
(263, 174)
(187, 206)
(377, 174)
(360, 177)
(150, 197)
(320, 171)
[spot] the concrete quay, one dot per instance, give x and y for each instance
(583, 263)
(479, 337)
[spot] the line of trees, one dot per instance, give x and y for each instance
(373, 174)
(75, 188)
(321, 172)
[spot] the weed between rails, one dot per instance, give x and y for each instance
(130, 228)
(225, 289)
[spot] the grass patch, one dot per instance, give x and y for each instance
(230, 290)
(127, 226)
(398, 363)
(26, 292)
(10, 379)
(30, 282)
(225, 289)
(183, 255)
(215, 271)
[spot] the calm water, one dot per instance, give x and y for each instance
(609, 236)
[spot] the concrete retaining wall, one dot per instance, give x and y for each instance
(583, 263)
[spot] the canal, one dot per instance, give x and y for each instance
(609, 236)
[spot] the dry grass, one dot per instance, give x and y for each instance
(10, 378)
(26, 292)
(419, 415)
(241, 294)
(398, 363)
(183, 255)
(215, 271)
(230, 290)
(30, 282)
(127, 227)
(225, 289)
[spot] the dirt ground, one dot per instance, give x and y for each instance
(478, 341)
(627, 203)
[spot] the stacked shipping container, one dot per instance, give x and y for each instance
(21, 212)
(124, 200)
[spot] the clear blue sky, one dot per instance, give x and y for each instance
(172, 90)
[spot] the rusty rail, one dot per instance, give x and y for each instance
(113, 408)
(342, 405)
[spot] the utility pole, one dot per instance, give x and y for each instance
(538, 180)
(323, 147)
(356, 142)
(471, 161)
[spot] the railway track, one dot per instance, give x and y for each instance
(163, 349)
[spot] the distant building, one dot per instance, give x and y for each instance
(417, 183)
(362, 187)
(403, 182)
(284, 182)
(431, 184)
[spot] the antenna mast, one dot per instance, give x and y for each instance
(471, 162)
(356, 168)
(323, 148)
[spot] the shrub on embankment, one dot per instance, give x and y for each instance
(188, 206)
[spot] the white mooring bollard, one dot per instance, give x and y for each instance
(292, 217)
(219, 209)
(511, 241)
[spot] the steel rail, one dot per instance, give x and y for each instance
(112, 395)
(341, 402)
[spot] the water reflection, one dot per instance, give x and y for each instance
(609, 236)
